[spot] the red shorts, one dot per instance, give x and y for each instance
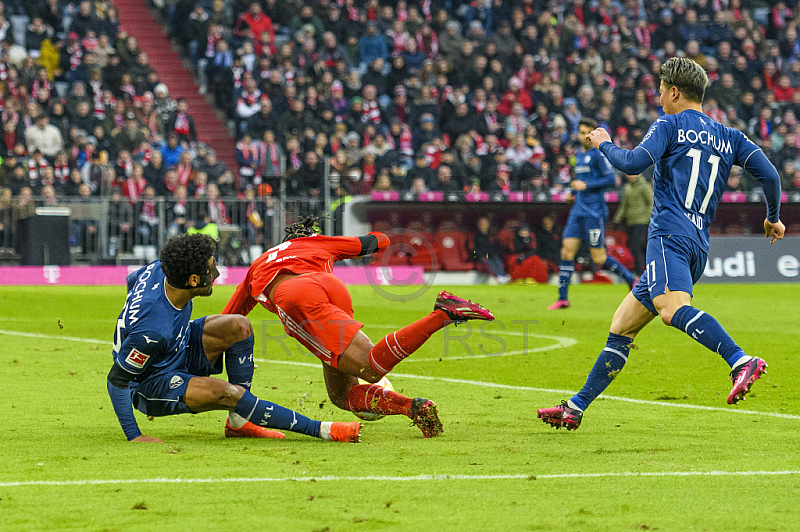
(316, 310)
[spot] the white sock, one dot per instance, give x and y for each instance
(325, 430)
(235, 420)
(743, 360)
(572, 405)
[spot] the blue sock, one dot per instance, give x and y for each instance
(608, 365)
(239, 362)
(708, 332)
(565, 270)
(275, 416)
(614, 266)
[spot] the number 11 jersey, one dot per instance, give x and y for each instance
(693, 156)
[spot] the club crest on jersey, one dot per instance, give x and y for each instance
(136, 358)
(175, 381)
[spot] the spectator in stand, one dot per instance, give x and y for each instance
(172, 151)
(634, 210)
(182, 123)
(43, 137)
(131, 135)
(372, 46)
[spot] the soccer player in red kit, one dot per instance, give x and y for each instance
(294, 280)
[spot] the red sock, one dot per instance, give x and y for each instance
(378, 400)
(398, 345)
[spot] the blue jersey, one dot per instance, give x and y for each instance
(593, 168)
(693, 156)
(151, 333)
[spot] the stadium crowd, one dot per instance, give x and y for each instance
(481, 95)
(455, 96)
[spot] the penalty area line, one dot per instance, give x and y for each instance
(415, 478)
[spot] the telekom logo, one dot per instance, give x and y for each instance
(51, 273)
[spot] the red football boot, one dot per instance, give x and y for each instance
(346, 432)
(251, 430)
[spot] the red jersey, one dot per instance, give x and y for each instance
(303, 255)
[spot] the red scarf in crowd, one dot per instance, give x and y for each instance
(183, 172)
(181, 124)
(61, 172)
(133, 189)
(217, 212)
(36, 170)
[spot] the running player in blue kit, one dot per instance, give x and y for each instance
(588, 216)
(693, 156)
(163, 360)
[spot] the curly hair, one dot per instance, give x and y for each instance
(305, 227)
(186, 255)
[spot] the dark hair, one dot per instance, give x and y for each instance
(186, 255)
(685, 74)
(303, 228)
(592, 123)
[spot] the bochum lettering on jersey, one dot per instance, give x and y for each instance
(704, 137)
(138, 292)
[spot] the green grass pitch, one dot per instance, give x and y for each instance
(648, 464)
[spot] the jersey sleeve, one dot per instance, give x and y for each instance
(342, 247)
(139, 351)
(752, 158)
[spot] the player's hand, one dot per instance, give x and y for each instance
(774, 230)
(578, 185)
(598, 136)
(146, 439)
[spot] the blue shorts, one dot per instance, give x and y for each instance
(161, 394)
(674, 262)
(589, 228)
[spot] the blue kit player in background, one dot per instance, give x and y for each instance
(588, 216)
(693, 156)
(163, 360)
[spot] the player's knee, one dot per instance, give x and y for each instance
(666, 315)
(229, 395)
(242, 328)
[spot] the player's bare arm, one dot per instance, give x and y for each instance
(774, 231)
(578, 185)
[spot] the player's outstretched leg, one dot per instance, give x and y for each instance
(608, 365)
(396, 346)
(267, 414)
(703, 328)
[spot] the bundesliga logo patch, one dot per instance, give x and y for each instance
(136, 358)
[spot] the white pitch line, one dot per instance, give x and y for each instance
(415, 478)
(463, 381)
(559, 392)
(54, 337)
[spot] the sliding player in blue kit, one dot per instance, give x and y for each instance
(693, 156)
(163, 361)
(588, 216)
